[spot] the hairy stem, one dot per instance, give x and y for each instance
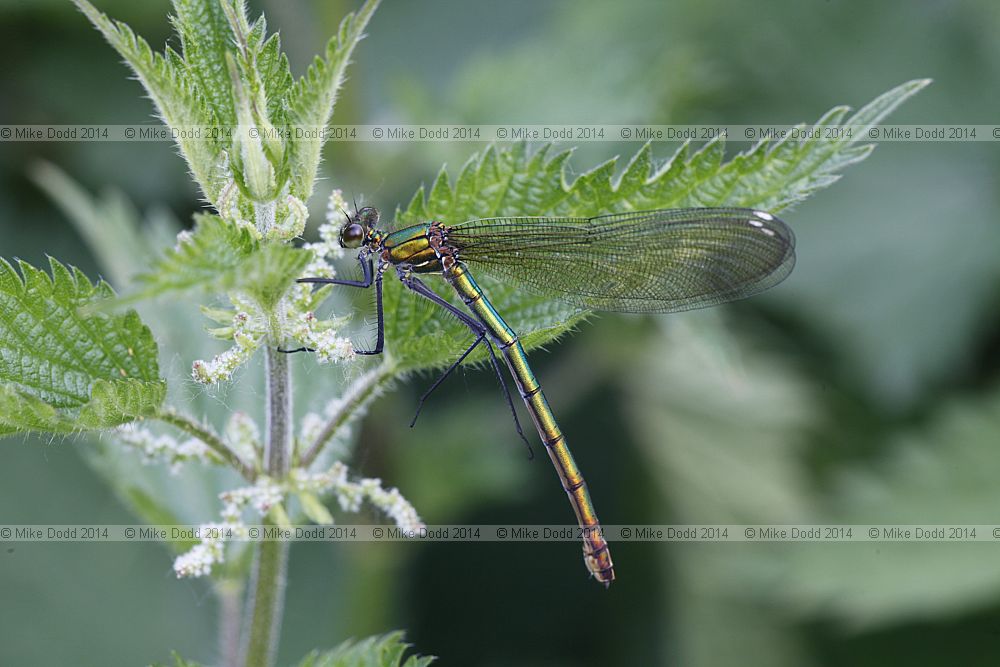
(267, 588)
(207, 436)
(355, 398)
(267, 601)
(278, 446)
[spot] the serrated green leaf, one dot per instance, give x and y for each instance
(250, 162)
(311, 101)
(269, 79)
(228, 65)
(222, 255)
(385, 651)
(63, 369)
(268, 274)
(179, 102)
(205, 40)
(513, 181)
(120, 401)
(204, 258)
(700, 403)
(275, 76)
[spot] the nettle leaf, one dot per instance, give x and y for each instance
(514, 181)
(205, 40)
(311, 101)
(223, 255)
(64, 369)
(268, 274)
(275, 74)
(385, 651)
(202, 258)
(228, 65)
(269, 74)
(171, 85)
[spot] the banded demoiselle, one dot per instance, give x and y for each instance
(659, 261)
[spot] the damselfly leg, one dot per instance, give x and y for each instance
(369, 277)
(477, 328)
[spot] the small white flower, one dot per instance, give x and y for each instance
(163, 448)
(197, 562)
(350, 495)
(222, 367)
(249, 332)
(266, 494)
(335, 207)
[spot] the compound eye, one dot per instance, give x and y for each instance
(368, 216)
(352, 235)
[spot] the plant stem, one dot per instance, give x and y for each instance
(278, 445)
(207, 436)
(356, 397)
(267, 601)
(267, 588)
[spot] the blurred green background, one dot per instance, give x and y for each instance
(863, 389)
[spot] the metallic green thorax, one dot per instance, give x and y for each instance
(411, 247)
(425, 249)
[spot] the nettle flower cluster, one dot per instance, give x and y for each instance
(268, 497)
(250, 326)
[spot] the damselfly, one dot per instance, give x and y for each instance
(641, 262)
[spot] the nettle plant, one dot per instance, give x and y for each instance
(77, 360)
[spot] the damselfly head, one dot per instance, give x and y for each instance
(357, 228)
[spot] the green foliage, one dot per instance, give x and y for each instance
(66, 370)
(268, 274)
(222, 255)
(699, 401)
(384, 651)
(515, 181)
(232, 82)
(207, 257)
(205, 40)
